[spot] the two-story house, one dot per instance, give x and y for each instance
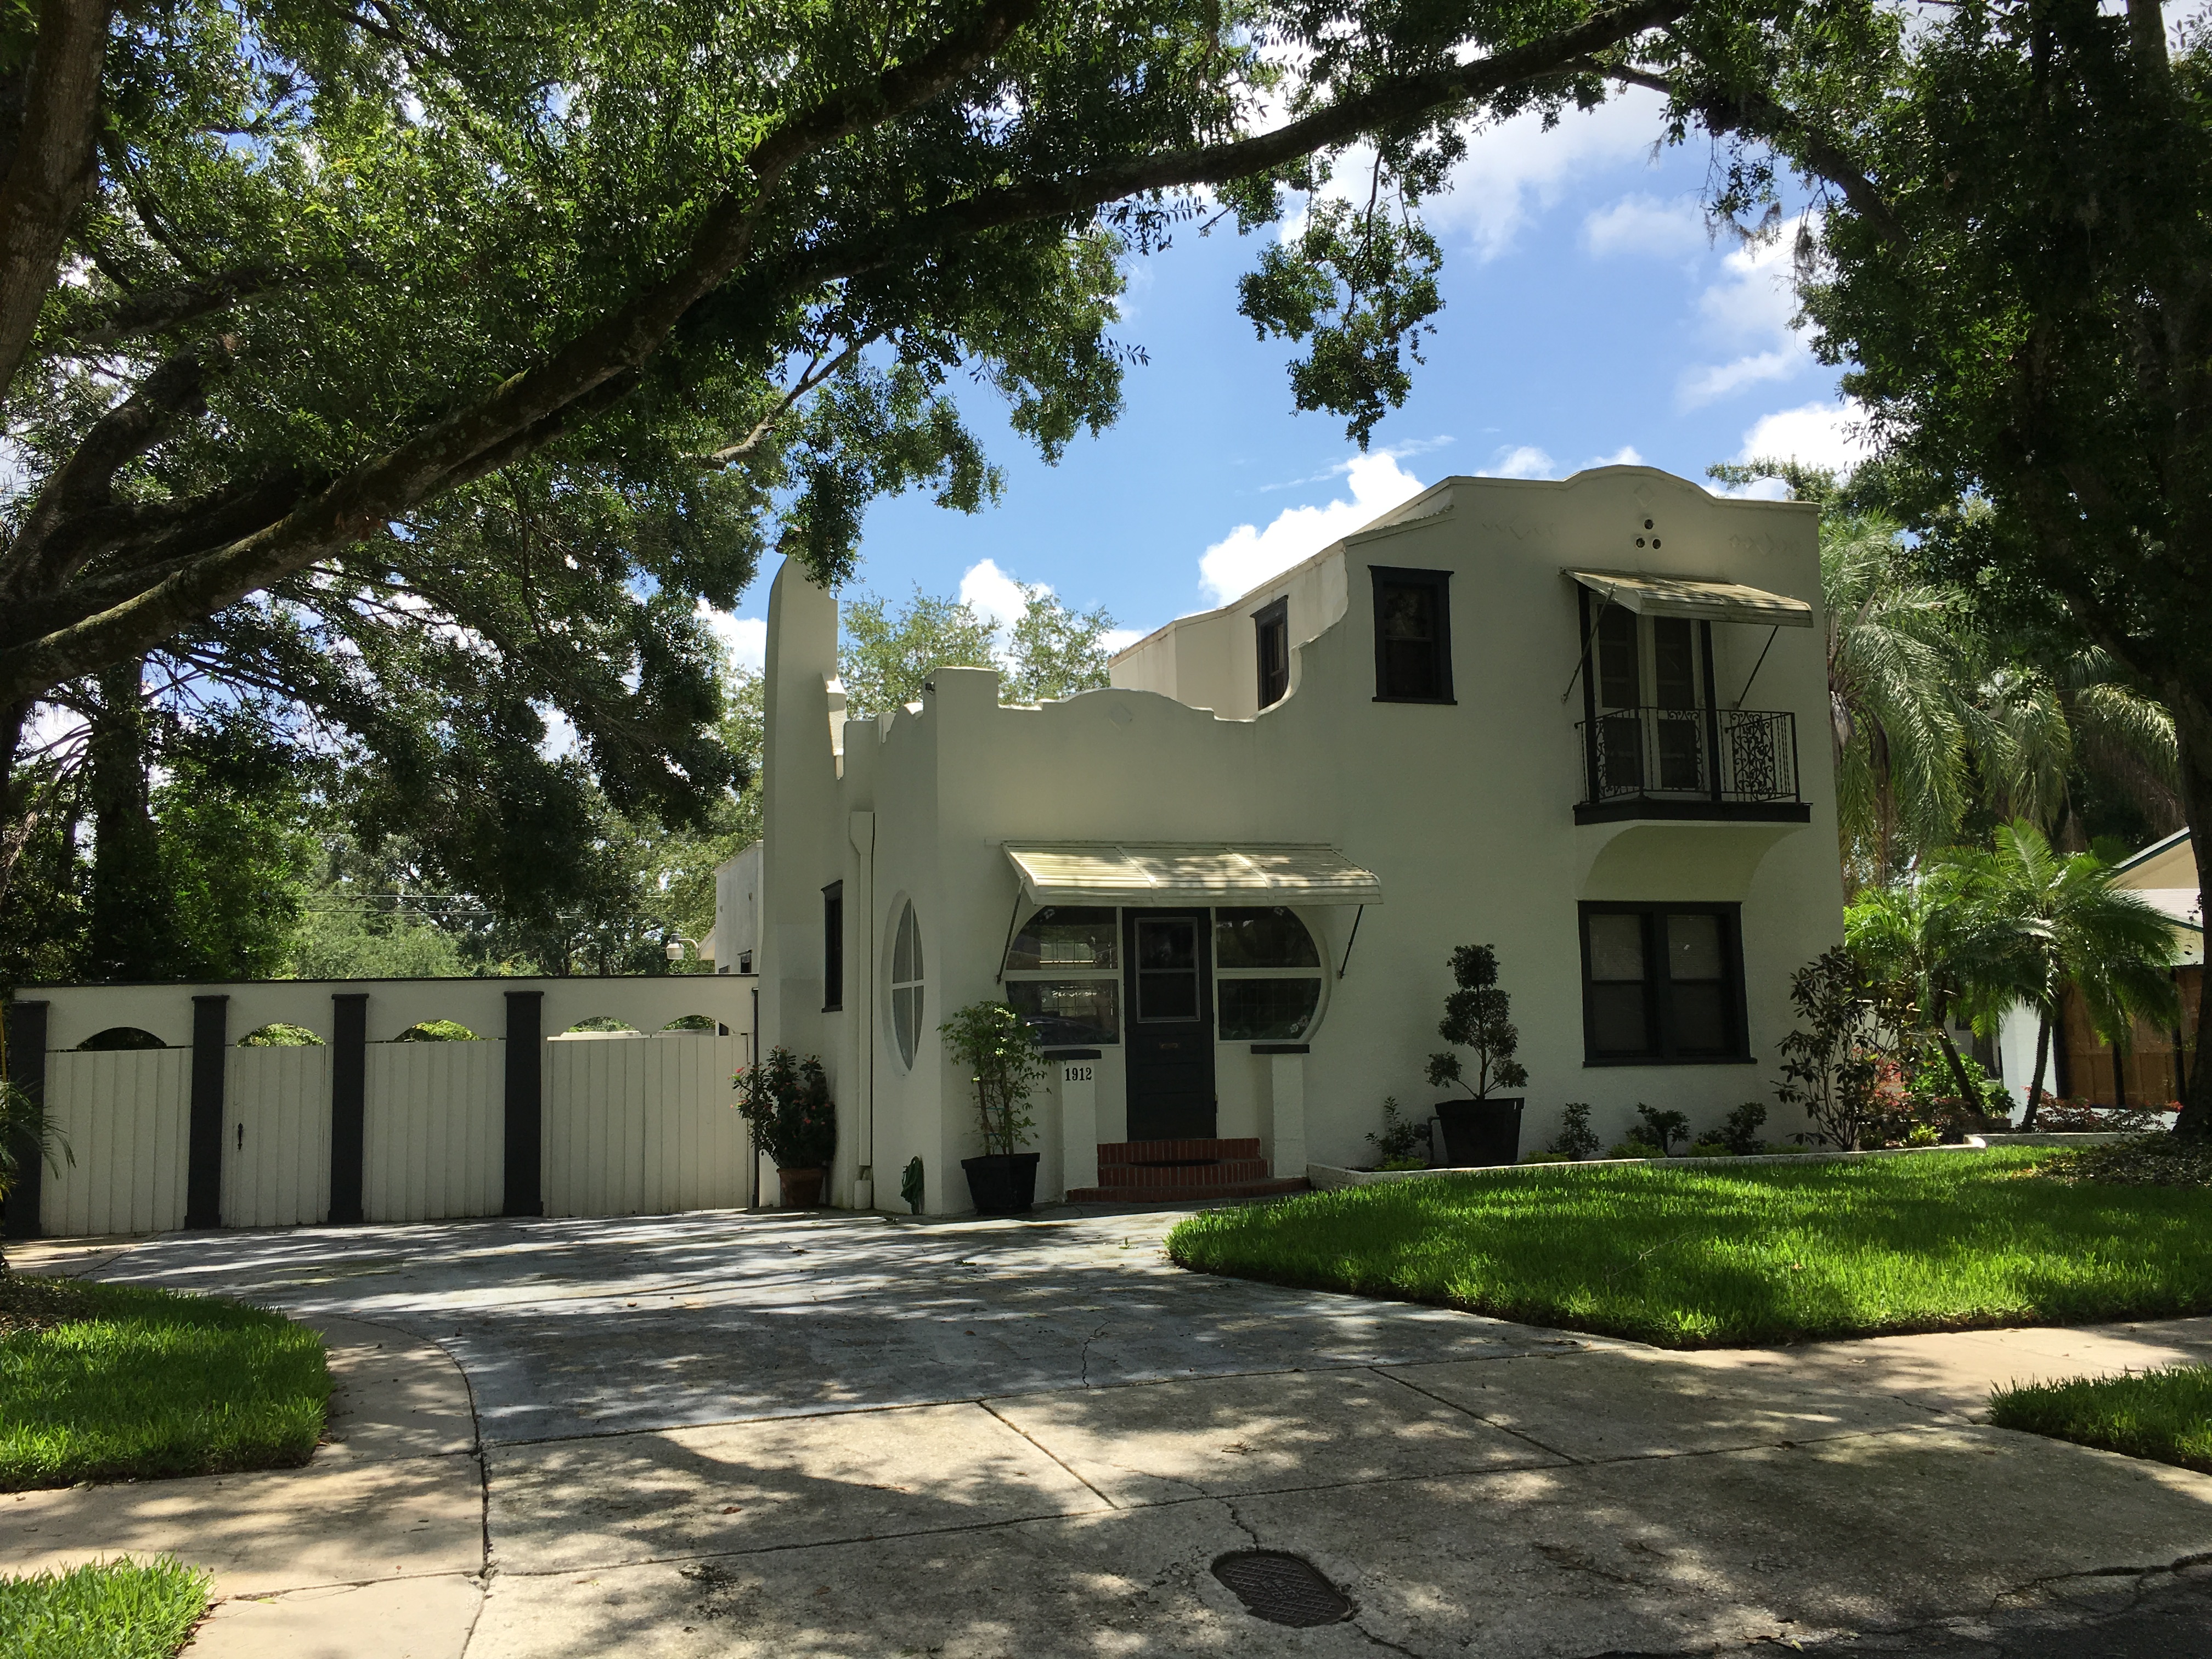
(1584, 722)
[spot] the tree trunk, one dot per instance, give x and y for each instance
(2042, 1055)
(1967, 1096)
(132, 933)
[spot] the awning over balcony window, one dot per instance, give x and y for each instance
(1178, 872)
(1679, 596)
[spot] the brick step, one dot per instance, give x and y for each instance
(1220, 1172)
(1190, 1194)
(1165, 1151)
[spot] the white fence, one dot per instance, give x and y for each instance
(363, 1125)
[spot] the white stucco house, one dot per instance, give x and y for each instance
(1583, 721)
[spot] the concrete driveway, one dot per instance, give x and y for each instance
(740, 1434)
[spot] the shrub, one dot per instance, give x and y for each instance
(437, 1030)
(1834, 1066)
(278, 1034)
(1403, 1143)
(1659, 1130)
(1633, 1149)
(1710, 1149)
(1738, 1132)
(1923, 1134)
(1000, 1048)
(1575, 1138)
(785, 1102)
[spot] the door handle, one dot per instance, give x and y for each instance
(241, 1137)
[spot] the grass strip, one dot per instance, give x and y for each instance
(112, 1381)
(1685, 1256)
(105, 1610)
(2164, 1414)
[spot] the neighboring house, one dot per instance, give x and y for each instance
(2082, 1065)
(1584, 721)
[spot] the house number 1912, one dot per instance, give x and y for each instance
(1075, 1074)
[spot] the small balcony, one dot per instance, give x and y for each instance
(1716, 764)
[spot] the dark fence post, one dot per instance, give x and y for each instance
(349, 1100)
(526, 1109)
(203, 1158)
(27, 1070)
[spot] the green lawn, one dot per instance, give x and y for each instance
(1693, 1256)
(112, 1610)
(2163, 1414)
(100, 1381)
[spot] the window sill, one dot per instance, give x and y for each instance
(1441, 702)
(1670, 1060)
(1282, 1047)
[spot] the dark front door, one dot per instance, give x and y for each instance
(1169, 973)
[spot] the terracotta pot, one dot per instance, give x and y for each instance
(799, 1190)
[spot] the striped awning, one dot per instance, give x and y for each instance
(1189, 872)
(1680, 596)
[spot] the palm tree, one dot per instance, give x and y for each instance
(1918, 938)
(2036, 730)
(1898, 675)
(24, 1125)
(2037, 921)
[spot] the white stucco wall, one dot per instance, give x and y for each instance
(1465, 811)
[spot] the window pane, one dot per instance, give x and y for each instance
(1618, 684)
(1616, 947)
(1069, 1012)
(1167, 942)
(1701, 1024)
(1064, 937)
(1267, 1010)
(1409, 612)
(1411, 635)
(914, 927)
(1269, 937)
(1617, 1021)
(906, 1019)
(903, 947)
(1409, 668)
(1694, 948)
(1674, 663)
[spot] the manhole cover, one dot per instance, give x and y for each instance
(1282, 1588)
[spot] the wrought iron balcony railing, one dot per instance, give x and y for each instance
(1690, 763)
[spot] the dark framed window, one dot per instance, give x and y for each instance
(1271, 636)
(833, 947)
(1663, 985)
(1413, 636)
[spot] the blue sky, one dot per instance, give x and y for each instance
(1589, 317)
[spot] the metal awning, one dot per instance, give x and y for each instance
(1679, 596)
(1189, 872)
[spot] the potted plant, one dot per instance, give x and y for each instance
(1485, 1129)
(785, 1102)
(1001, 1051)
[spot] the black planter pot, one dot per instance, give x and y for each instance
(1480, 1132)
(1002, 1183)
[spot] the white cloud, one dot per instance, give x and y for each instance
(1517, 169)
(1519, 461)
(993, 595)
(1646, 225)
(1748, 313)
(1248, 556)
(1703, 386)
(1626, 455)
(1119, 638)
(746, 638)
(1819, 435)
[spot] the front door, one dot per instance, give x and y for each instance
(1169, 975)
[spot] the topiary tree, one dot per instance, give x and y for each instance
(1000, 1048)
(1475, 1017)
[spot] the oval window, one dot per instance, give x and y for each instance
(1268, 974)
(906, 985)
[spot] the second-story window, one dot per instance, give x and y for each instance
(833, 947)
(1271, 629)
(1413, 636)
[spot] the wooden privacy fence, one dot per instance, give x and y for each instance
(530, 1118)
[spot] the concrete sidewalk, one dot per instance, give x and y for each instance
(830, 1436)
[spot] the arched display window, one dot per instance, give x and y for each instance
(907, 985)
(1268, 974)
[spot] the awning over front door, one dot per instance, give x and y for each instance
(1189, 872)
(1679, 596)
